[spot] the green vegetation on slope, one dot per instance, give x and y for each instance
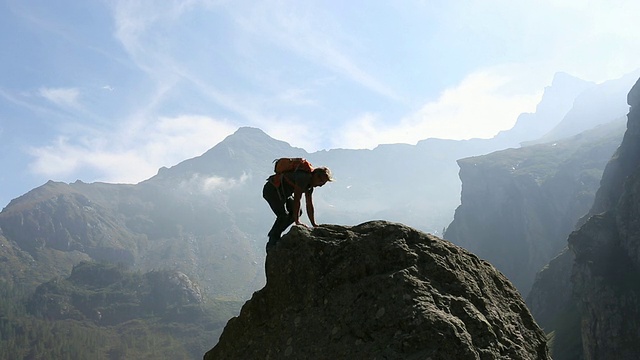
(105, 312)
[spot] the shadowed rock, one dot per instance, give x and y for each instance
(380, 290)
(606, 273)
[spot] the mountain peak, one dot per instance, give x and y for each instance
(247, 148)
(380, 289)
(246, 133)
(243, 136)
(250, 137)
(248, 130)
(562, 79)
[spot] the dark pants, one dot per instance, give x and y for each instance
(282, 207)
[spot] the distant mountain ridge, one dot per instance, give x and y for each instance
(205, 217)
(207, 214)
(595, 106)
(557, 100)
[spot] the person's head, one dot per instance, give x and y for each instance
(320, 176)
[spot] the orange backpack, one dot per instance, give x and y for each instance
(284, 165)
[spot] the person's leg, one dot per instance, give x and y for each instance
(288, 220)
(270, 194)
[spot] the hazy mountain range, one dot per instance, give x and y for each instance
(205, 217)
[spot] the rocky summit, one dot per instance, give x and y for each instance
(379, 290)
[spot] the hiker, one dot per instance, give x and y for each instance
(283, 192)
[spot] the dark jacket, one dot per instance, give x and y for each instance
(287, 182)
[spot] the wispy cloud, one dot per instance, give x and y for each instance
(136, 22)
(297, 97)
(66, 97)
(141, 27)
(311, 34)
(24, 100)
(131, 154)
(131, 148)
(483, 104)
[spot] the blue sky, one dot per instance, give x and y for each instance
(113, 90)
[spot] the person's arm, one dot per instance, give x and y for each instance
(310, 211)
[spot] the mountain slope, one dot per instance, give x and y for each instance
(187, 221)
(596, 105)
(557, 100)
(104, 311)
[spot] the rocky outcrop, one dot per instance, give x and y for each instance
(606, 272)
(379, 290)
(519, 205)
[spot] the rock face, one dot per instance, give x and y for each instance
(379, 290)
(520, 205)
(603, 265)
(606, 272)
(555, 309)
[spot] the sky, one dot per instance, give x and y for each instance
(113, 90)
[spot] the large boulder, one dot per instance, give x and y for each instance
(380, 290)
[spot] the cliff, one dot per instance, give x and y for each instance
(552, 304)
(519, 205)
(379, 290)
(606, 271)
(597, 315)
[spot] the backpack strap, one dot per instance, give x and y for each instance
(276, 181)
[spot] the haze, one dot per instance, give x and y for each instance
(112, 91)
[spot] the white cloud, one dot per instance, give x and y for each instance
(213, 184)
(58, 159)
(131, 154)
(61, 96)
(483, 104)
(364, 132)
(144, 29)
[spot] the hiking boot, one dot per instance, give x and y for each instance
(273, 239)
